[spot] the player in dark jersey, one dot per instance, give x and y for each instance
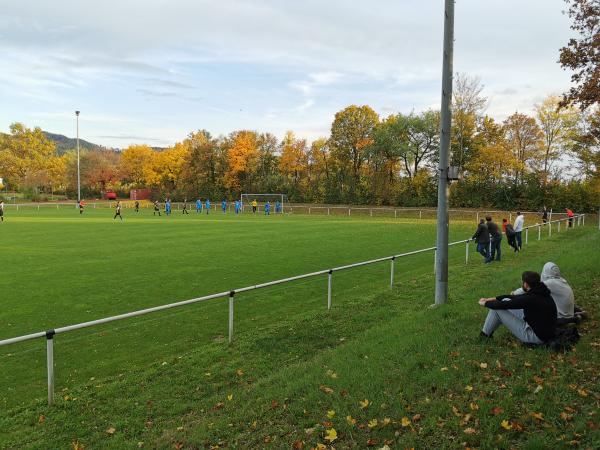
(118, 211)
(156, 208)
(137, 206)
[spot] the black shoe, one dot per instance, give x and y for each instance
(482, 335)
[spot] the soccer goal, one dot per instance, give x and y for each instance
(247, 199)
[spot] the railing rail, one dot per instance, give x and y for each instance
(49, 334)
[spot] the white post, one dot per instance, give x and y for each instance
(392, 272)
(309, 209)
(550, 228)
(231, 294)
(50, 365)
(477, 217)
(559, 226)
(396, 216)
(434, 260)
(420, 214)
(329, 279)
(539, 232)
(526, 235)
(467, 252)
(348, 212)
(583, 220)
(371, 213)
(327, 211)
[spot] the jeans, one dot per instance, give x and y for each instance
(514, 321)
(519, 239)
(496, 248)
(484, 249)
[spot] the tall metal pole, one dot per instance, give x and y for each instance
(441, 262)
(78, 175)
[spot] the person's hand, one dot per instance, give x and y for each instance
(483, 301)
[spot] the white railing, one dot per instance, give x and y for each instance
(49, 334)
(288, 208)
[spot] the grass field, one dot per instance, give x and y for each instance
(170, 380)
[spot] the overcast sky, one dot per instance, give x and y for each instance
(151, 71)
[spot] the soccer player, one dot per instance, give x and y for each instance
(224, 206)
(185, 211)
(207, 205)
(254, 206)
(156, 208)
(167, 206)
(237, 206)
(118, 210)
(1, 211)
(277, 207)
(199, 206)
(570, 215)
(137, 206)
(81, 206)
(267, 208)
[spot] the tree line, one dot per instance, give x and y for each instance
(522, 162)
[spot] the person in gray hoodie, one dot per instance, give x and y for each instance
(561, 292)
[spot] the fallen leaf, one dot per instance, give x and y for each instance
(331, 414)
(364, 404)
(371, 442)
(538, 389)
(416, 417)
(496, 410)
(582, 392)
(386, 421)
(565, 416)
(506, 425)
(351, 421)
(331, 435)
(537, 416)
(274, 404)
(42, 419)
(527, 364)
(321, 446)
(385, 447)
(468, 388)
(469, 430)
(444, 369)
(178, 445)
(372, 423)
(332, 374)
(326, 389)
(474, 406)
(516, 426)
(239, 372)
(405, 421)
(483, 365)
(230, 397)
(77, 445)
(298, 444)
(111, 430)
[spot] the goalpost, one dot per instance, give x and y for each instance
(247, 199)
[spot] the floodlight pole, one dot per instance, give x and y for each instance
(78, 175)
(441, 262)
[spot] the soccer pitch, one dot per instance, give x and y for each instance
(59, 268)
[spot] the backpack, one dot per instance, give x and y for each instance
(564, 339)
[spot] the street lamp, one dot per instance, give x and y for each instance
(78, 176)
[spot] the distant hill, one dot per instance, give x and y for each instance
(64, 144)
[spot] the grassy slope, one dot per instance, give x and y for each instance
(386, 347)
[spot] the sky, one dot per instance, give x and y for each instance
(152, 71)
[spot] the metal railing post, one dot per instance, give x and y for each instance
(550, 228)
(396, 216)
(393, 260)
(434, 259)
(467, 252)
(329, 279)
(371, 213)
(527, 235)
(558, 227)
(231, 294)
(327, 211)
(420, 214)
(348, 212)
(50, 364)
(539, 232)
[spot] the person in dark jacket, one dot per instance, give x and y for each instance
(496, 236)
(510, 234)
(482, 237)
(530, 317)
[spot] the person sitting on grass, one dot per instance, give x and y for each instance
(561, 292)
(530, 317)
(482, 237)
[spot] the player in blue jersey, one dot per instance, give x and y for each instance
(224, 206)
(199, 206)
(207, 205)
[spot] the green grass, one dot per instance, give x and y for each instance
(164, 379)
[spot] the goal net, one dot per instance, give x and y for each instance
(276, 201)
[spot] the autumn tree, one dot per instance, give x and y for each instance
(422, 133)
(468, 104)
(558, 127)
(24, 154)
(133, 161)
(351, 135)
(582, 54)
(242, 158)
(524, 140)
(293, 159)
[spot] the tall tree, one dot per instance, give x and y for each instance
(242, 158)
(468, 105)
(351, 135)
(557, 127)
(582, 54)
(133, 160)
(524, 140)
(292, 162)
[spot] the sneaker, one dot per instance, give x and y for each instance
(482, 335)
